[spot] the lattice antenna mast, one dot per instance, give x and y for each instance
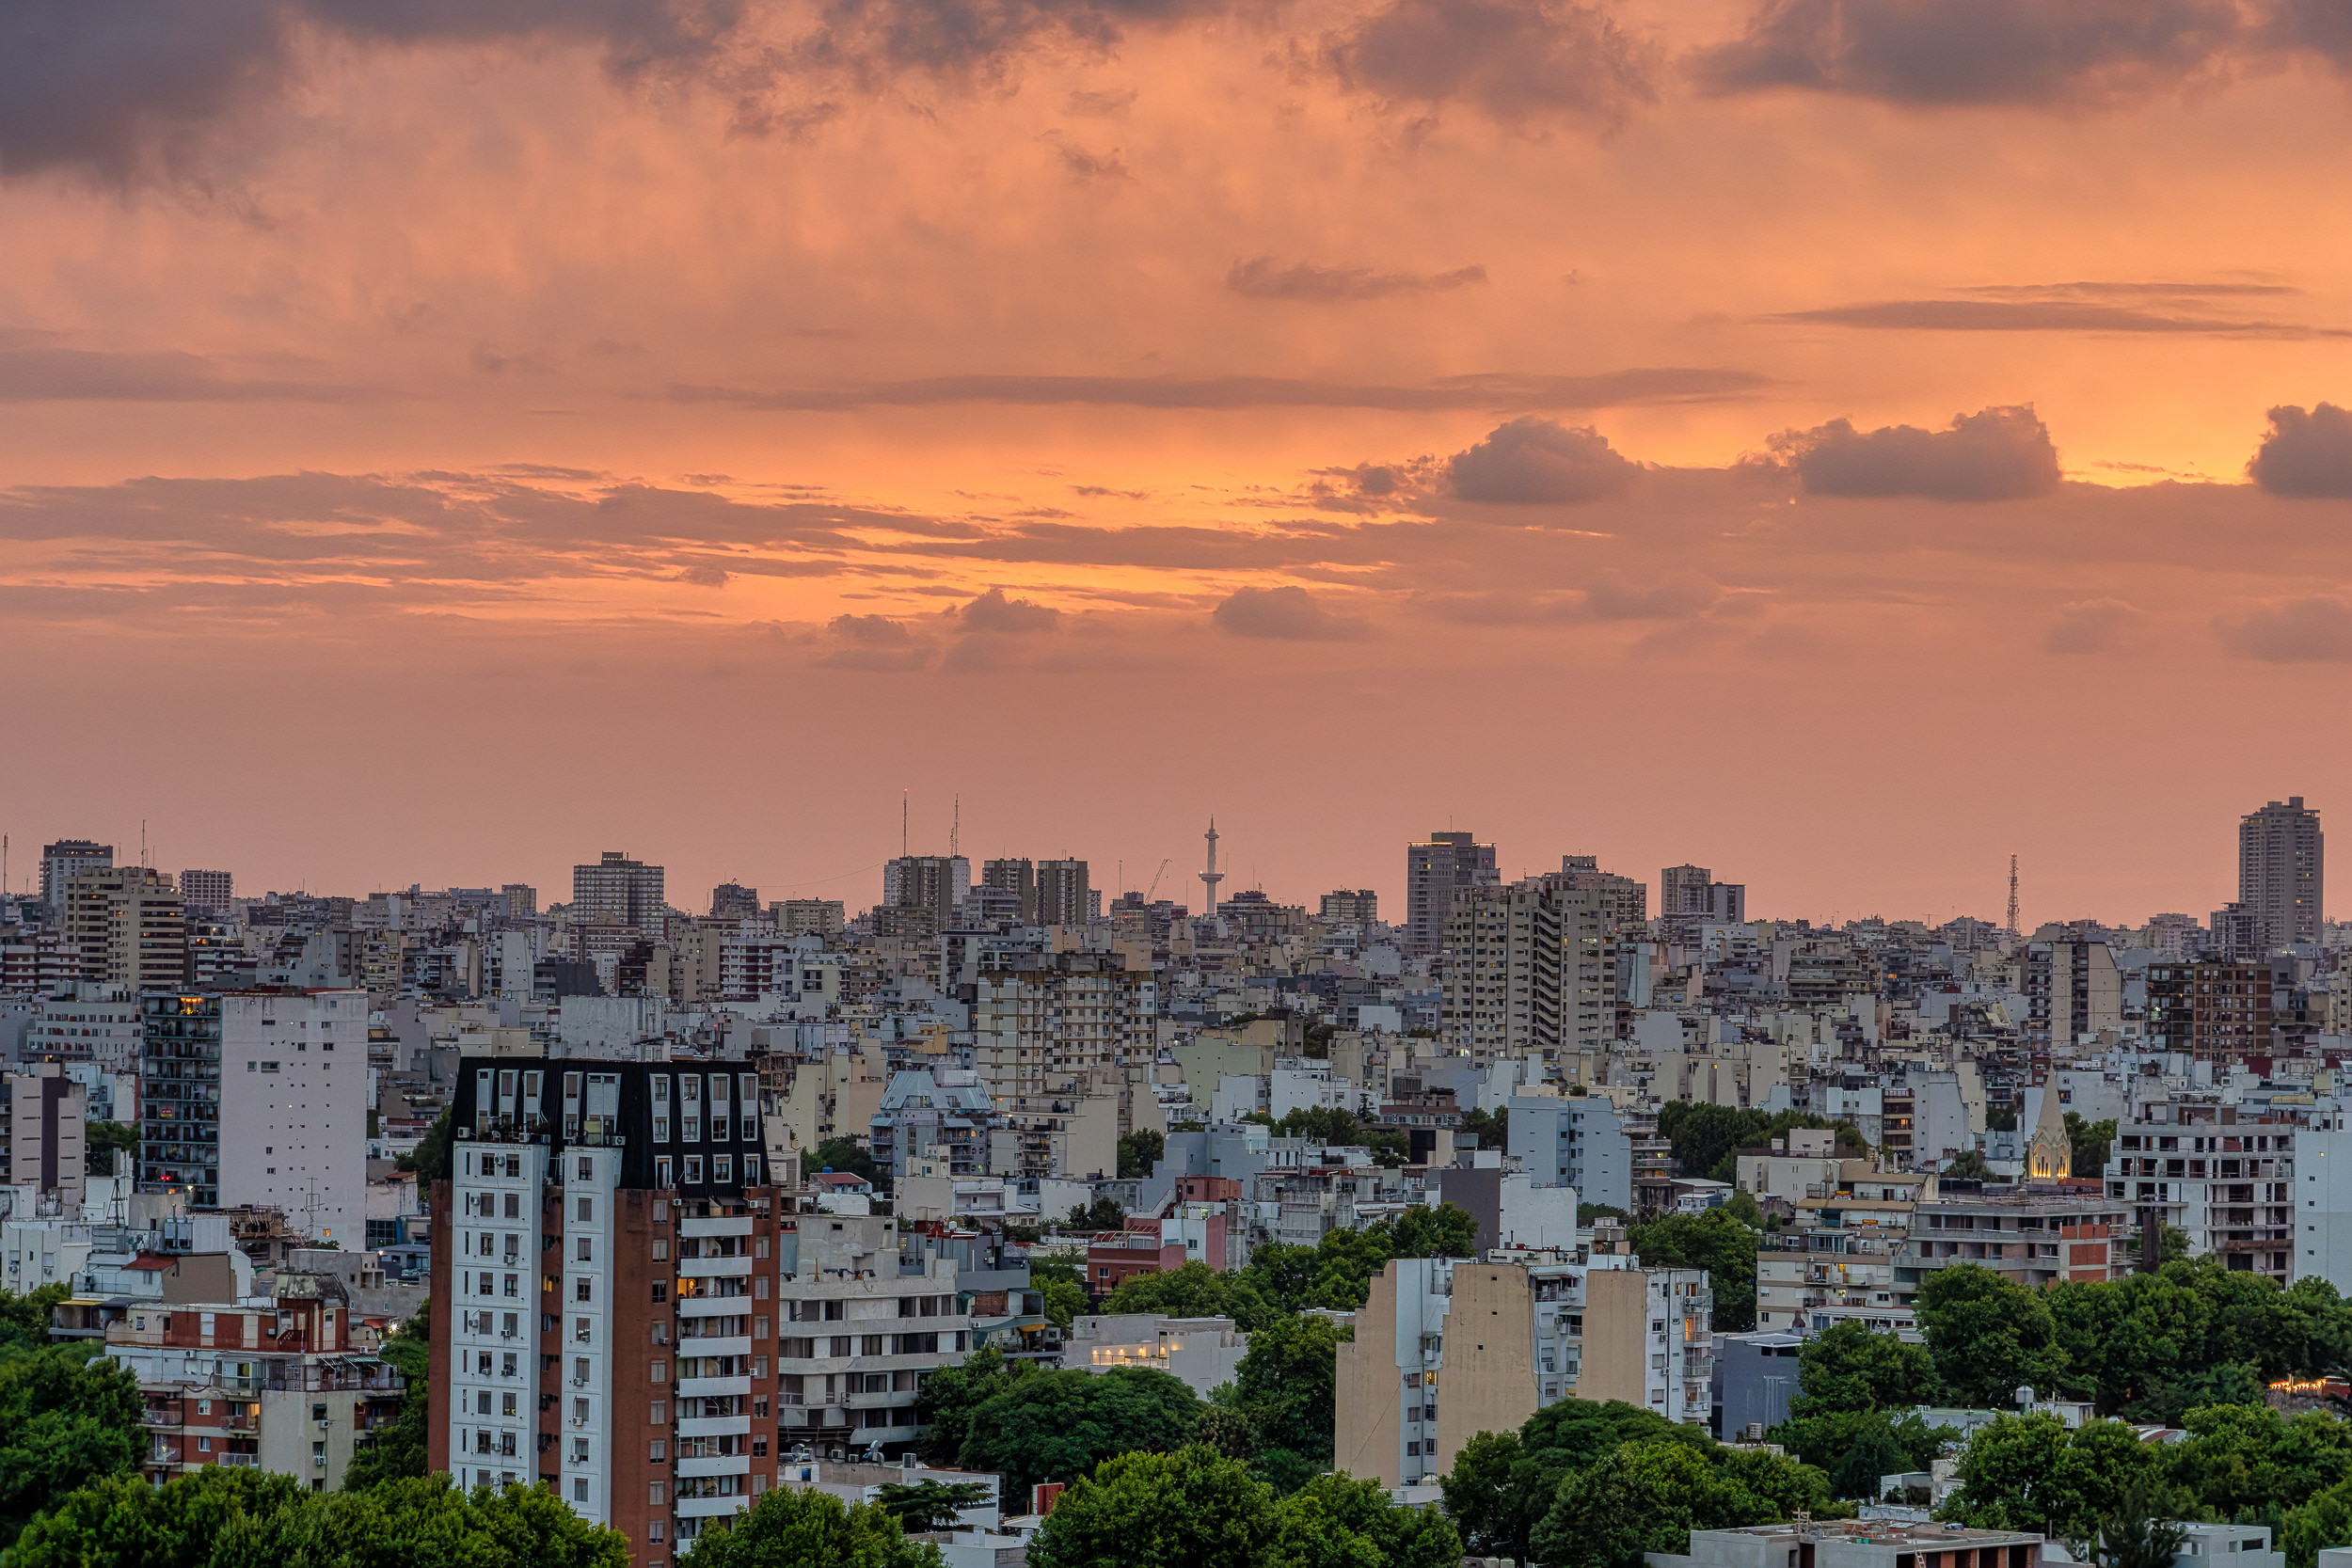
(955, 831)
(2012, 896)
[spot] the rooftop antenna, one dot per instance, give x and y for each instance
(902, 824)
(1210, 878)
(2012, 894)
(955, 829)
(142, 841)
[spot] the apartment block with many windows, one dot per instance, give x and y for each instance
(603, 1257)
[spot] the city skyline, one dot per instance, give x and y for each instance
(1209, 380)
(689, 888)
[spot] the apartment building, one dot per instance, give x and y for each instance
(603, 1257)
(1437, 871)
(2222, 1011)
(1446, 1349)
(2033, 1237)
(618, 891)
(2072, 988)
(1858, 1544)
(2231, 1188)
(290, 1384)
(1580, 1141)
(86, 1022)
(129, 926)
(2281, 872)
(65, 860)
(207, 892)
(1050, 1022)
(865, 1315)
(1530, 971)
(1202, 1352)
(43, 1124)
(292, 1136)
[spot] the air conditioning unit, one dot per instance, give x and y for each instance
(580, 1382)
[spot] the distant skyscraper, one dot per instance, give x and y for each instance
(1625, 899)
(1690, 892)
(617, 891)
(933, 884)
(1359, 906)
(1435, 870)
(1063, 897)
(1017, 878)
(66, 859)
(207, 890)
(734, 901)
(2280, 871)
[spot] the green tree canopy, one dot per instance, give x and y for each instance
(1648, 1497)
(100, 1142)
(1139, 1152)
(1713, 1240)
(931, 1505)
(1439, 1230)
(947, 1398)
(1194, 1290)
(1852, 1367)
(124, 1522)
(425, 1523)
(1056, 1426)
(1288, 1383)
(430, 1159)
(1340, 1522)
(1189, 1509)
(2089, 1143)
(67, 1419)
(793, 1529)
(1987, 1334)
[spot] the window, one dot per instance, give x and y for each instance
(588, 1210)
(581, 1290)
(662, 1176)
(580, 1411)
(587, 1168)
(658, 1373)
(750, 1173)
(580, 1330)
(661, 1249)
(580, 1484)
(661, 1418)
(662, 1130)
(653, 1488)
(506, 1403)
(694, 1170)
(723, 1168)
(586, 1250)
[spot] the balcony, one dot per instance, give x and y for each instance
(713, 1387)
(723, 1465)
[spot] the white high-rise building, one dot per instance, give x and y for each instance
(293, 1108)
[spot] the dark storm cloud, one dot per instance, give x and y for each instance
(118, 88)
(2290, 631)
(1482, 391)
(2321, 27)
(1262, 277)
(97, 83)
(1532, 461)
(1519, 61)
(1284, 615)
(1994, 455)
(1942, 52)
(2307, 452)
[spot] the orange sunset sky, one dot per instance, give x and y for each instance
(1838, 442)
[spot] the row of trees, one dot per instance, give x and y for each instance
(1597, 1483)
(1032, 1425)
(1280, 1279)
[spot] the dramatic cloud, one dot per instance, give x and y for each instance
(1262, 277)
(1994, 454)
(874, 642)
(1940, 51)
(1519, 61)
(2321, 27)
(2306, 453)
(1284, 615)
(1479, 391)
(2290, 631)
(97, 83)
(114, 88)
(1532, 461)
(1615, 597)
(994, 612)
(2093, 627)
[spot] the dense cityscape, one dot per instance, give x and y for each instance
(1526, 1221)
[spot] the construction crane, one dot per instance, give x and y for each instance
(1155, 880)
